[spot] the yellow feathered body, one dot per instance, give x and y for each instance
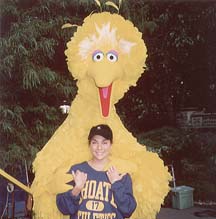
(104, 32)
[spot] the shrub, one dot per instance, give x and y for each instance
(193, 155)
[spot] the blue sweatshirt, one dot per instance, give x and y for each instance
(98, 199)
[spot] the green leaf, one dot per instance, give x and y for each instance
(47, 75)
(22, 50)
(30, 78)
(7, 127)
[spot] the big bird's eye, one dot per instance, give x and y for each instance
(97, 56)
(112, 56)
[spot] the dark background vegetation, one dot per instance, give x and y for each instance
(180, 72)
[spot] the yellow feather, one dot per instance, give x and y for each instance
(98, 3)
(120, 2)
(109, 3)
(68, 25)
(92, 12)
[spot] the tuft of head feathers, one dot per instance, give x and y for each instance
(103, 35)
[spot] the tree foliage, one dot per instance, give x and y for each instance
(33, 74)
(191, 152)
(181, 63)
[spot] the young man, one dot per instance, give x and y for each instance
(98, 193)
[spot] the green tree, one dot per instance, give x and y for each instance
(33, 74)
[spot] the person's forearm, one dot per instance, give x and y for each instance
(123, 196)
(76, 191)
(67, 203)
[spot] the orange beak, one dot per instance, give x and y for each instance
(105, 96)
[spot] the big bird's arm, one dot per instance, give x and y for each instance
(15, 181)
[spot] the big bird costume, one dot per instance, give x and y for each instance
(106, 55)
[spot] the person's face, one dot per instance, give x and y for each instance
(100, 147)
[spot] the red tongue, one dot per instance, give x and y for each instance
(105, 94)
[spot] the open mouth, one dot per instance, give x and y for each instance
(105, 95)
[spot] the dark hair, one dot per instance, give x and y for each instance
(102, 130)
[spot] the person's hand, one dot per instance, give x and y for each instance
(114, 175)
(80, 180)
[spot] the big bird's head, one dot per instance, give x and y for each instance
(110, 51)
